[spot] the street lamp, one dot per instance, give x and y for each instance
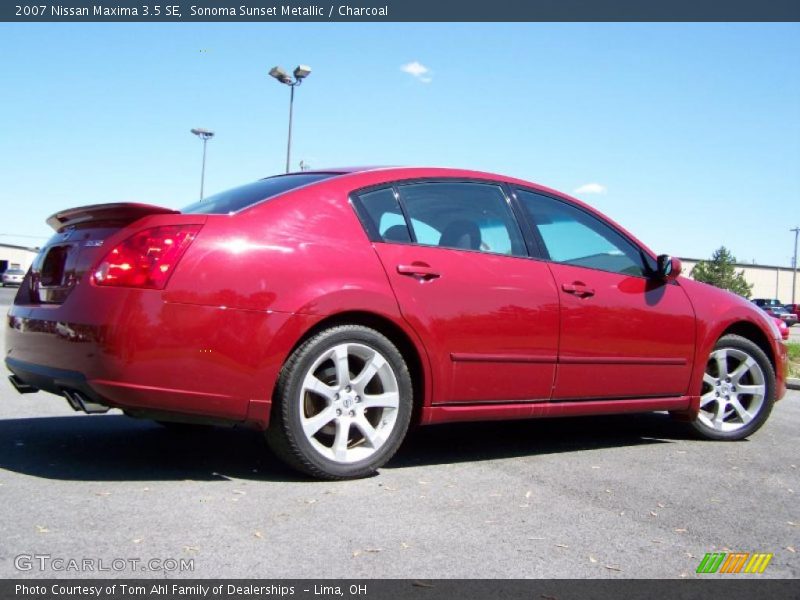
(794, 263)
(205, 135)
(300, 73)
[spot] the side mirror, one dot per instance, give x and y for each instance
(668, 268)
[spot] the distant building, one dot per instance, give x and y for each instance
(768, 281)
(16, 257)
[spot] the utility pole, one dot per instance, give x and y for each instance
(794, 264)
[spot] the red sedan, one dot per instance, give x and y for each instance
(332, 309)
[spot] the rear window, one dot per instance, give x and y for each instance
(236, 199)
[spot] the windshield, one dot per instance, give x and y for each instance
(236, 199)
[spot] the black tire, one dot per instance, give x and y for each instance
(716, 395)
(308, 453)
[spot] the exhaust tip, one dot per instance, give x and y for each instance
(76, 406)
(21, 386)
(80, 402)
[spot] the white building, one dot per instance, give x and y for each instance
(16, 257)
(768, 281)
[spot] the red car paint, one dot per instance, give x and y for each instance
(487, 336)
(782, 327)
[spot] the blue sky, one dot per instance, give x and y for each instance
(689, 133)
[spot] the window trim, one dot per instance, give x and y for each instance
(370, 228)
(545, 254)
(354, 197)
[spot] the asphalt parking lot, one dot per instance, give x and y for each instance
(623, 497)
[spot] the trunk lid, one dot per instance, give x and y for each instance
(79, 243)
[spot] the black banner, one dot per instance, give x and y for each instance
(734, 588)
(67, 11)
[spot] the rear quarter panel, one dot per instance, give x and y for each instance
(302, 253)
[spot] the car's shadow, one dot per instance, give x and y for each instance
(118, 448)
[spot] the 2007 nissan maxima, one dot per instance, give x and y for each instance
(334, 308)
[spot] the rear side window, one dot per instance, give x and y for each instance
(236, 199)
(464, 216)
(383, 216)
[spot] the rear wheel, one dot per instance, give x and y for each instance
(342, 404)
(738, 390)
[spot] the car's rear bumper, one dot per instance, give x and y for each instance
(134, 351)
(28, 378)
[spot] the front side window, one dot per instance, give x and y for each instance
(574, 237)
(463, 216)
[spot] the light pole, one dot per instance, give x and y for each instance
(205, 135)
(794, 263)
(300, 73)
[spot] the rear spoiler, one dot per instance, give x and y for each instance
(125, 212)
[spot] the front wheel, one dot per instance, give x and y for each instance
(738, 390)
(342, 404)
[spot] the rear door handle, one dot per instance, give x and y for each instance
(577, 288)
(418, 270)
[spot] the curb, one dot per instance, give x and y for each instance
(793, 384)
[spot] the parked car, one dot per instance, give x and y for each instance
(762, 302)
(781, 313)
(13, 277)
(794, 309)
(782, 327)
(334, 308)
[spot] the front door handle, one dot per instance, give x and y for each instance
(578, 288)
(418, 270)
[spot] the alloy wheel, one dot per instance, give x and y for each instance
(734, 390)
(349, 401)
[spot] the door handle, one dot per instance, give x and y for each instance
(418, 270)
(578, 288)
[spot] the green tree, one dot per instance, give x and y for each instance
(720, 272)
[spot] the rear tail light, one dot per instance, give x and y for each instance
(147, 258)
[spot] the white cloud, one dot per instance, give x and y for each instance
(418, 71)
(591, 188)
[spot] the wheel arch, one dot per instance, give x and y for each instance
(755, 334)
(707, 339)
(412, 350)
